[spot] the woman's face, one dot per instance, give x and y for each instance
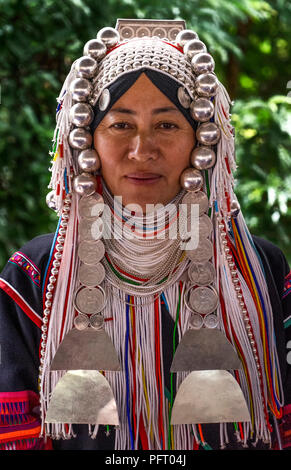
(144, 143)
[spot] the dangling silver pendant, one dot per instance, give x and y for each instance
(82, 397)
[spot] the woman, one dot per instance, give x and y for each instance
(152, 306)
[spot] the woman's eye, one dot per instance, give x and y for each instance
(168, 125)
(120, 125)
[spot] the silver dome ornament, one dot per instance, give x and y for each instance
(203, 158)
(185, 36)
(80, 89)
(183, 97)
(81, 115)
(85, 184)
(234, 208)
(104, 100)
(208, 133)
(193, 47)
(191, 179)
(206, 84)
(80, 139)
(86, 67)
(95, 48)
(51, 200)
(202, 63)
(201, 109)
(109, 36)
(89, 161)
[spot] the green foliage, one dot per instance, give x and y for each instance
(41, 38)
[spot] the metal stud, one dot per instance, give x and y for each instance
(184, 36)
(208, 133)
(109, 36)
(193, 47)
(203, 158)
(95, 48)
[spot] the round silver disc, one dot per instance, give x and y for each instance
(211, 320)
(198, 197)
(205, 226)
(91, 229)
(97, 321)
(195, 321)
(183, 97)
(81, 322)
(91, 206)
(203, 300)
(202, 253)
(89, 300)
(104, 100)
(91, 252)
(91, 276)
(201, 274)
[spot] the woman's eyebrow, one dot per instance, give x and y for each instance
(154, 111)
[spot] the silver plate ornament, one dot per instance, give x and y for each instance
(202, 253)
(91, 252)
(209, 396)
(199, 198)
(204, 349)
(88, 349)
(203, 300)
(183, 97)
(82, 397)
(91, 206)
(90, 300)
(201, 274)
(91, 229)
(91, 276)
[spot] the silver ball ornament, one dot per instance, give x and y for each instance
(109, 36)
(202, 63)
(80, 139)
(185, 36)
(86, 67)
(234, 208)
(80, 89)
(85, 184)
(191, 179)
(51, 200)
(208, 133)
(81, 115)
(201, 110)
(89, 161)
(206, 84)
(203, 158)
(193, 47)
(95, 48)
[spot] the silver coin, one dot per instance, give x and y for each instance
(81, 322)
(91, 206)
(211, 320)
(97, 321)
(205, 226)
(202, 253)
(202, 225)
(91, 229)
(201, 274)
(195, 321)
(89, 300)
(203, 300)
(91, 252)
(91, 276)
(198, 197)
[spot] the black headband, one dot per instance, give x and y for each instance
(166, 85)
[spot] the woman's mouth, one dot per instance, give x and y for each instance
(143, 178)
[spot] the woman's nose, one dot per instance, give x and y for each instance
(143, 148)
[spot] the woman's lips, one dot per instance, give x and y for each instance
(143, 178)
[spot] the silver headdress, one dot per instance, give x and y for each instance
(225, 323)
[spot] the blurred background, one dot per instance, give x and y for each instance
(250, 42)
